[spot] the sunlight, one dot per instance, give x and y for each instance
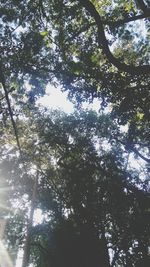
(19, 258)
(2, 189)
(2, 227)
(5, 259)
(5, 207)
(38, 217)
(4, 192)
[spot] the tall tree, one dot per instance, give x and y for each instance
(91, 205)
(92, 49)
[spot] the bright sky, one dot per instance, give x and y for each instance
(55, 98)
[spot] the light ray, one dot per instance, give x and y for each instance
(2, 206)
(3, 189)
(5, 259)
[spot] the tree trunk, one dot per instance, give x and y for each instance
(106, 260)
(26, 255)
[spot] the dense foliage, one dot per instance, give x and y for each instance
(76, 169)
(95, 208)
(71, 42)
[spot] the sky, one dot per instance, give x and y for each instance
(55, 98)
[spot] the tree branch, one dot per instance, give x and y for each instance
(27, 245)
(143, 6)
(120, 22)
(115, 257)
(43, 249)
(2, 81)
(133, 149)
(11, 90)
(41, 7)
(110, 23)
(83, 29)
(103, 43)
(140, 155)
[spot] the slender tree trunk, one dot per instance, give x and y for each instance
(106, 259)
(128, 260)
(26, 255)
(105, 253)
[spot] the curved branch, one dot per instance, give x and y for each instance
(143, 6)
(140, 155)
(131, 147)
(103, 43)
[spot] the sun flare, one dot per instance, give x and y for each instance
(5, 259)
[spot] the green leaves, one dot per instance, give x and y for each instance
(140, 116)
(85, 188)
(44, 33)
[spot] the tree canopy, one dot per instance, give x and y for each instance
(76, 169)
(92, 48)
(92, 205)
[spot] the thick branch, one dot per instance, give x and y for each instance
(121, 22)
(103, 43)
(143, 6)
(110, 23)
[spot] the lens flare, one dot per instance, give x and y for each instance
(2, 206)
(5, 259)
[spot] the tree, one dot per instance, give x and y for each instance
(91, 203)
(92, 49)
